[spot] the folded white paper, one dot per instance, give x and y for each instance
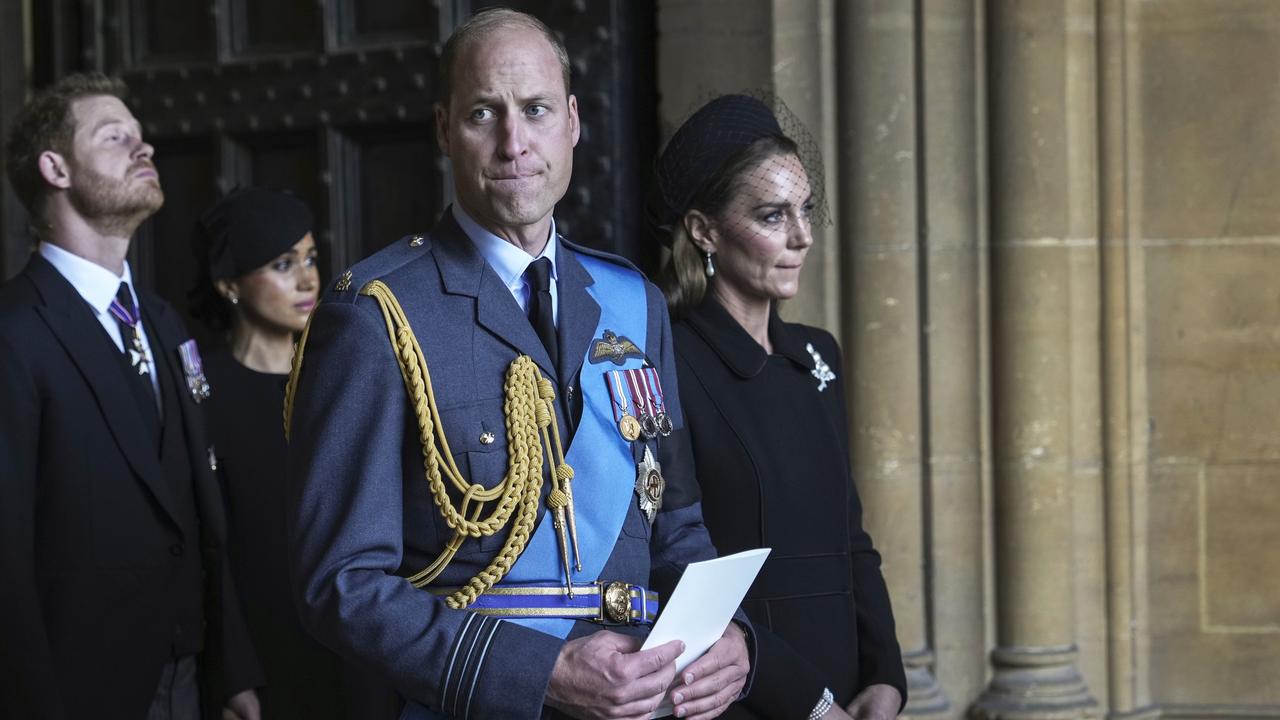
(702, 605)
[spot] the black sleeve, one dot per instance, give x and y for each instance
(879, 657)
(679, 534)
(786, 685)
(27, 676)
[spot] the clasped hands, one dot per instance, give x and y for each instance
(606, 675)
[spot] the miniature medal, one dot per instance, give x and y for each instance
(662, 419)
(644, 404)
(193, 369)
(138, 357)
(649, 484)
(628, 426)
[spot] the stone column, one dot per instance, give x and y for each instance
(803, 77)
(1125, 454)
(1035, 196)
(876, 78)
(952, 178)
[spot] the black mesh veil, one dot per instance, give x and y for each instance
(706, 144)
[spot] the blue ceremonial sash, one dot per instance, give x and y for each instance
(603, 467)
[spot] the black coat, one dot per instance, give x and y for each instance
(90, 541)
(303, 678)
(772, 459)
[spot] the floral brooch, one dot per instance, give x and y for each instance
(821, 370)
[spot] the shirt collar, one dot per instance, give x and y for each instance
(506, 259)
(734, 344)
(96, 284)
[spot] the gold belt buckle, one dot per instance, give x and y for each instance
(615, 602)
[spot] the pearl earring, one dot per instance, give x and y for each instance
(707, 265)
(235, 300)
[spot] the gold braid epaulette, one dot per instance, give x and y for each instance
(530, 425)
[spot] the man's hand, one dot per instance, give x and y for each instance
(876, 702)
(605, 675)
(714, 680)
(242, 706)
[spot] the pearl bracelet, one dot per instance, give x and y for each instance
(824, 704)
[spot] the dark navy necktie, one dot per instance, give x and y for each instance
(540, 310)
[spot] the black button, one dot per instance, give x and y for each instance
(176, 549)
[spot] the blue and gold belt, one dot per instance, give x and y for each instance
(606, 603)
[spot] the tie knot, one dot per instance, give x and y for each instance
(125, 298)
(538, 275)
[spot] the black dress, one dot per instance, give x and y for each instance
(244, 417)
(772, 458)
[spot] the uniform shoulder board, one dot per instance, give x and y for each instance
(607, 256)
(346, 287)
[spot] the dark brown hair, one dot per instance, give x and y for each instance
(47, 123)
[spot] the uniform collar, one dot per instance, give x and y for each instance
(96, 284)
(734, 344)
(507, 260)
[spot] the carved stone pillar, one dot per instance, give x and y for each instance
(879, 210)
(952, 181)
(1038, 193)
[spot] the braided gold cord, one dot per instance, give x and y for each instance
(530, 422)
(291, 387)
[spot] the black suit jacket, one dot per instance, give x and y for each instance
(89, 537)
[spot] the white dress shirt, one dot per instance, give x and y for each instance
(98, 286)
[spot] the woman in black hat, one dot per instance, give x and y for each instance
(764, 406)
(259, 285)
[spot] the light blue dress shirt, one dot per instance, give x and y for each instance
(510, 261)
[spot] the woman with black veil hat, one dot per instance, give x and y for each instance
(258, 286)
(764, 406)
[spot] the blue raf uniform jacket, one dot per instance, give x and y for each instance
(363, 515)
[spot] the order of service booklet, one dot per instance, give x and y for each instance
(702, 605)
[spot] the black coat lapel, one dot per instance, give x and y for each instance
(463, 271)
(72, 321)
(164, 343)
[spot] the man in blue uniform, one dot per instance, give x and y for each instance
(480, 518)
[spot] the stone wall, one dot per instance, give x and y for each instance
(1053, 270)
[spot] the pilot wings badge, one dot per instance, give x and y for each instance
(614, 348)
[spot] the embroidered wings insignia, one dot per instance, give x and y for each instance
(614, 348)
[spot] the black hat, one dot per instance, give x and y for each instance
(704, 143)
(251, 226)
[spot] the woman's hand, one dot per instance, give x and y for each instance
(876, 702)
(836, 713)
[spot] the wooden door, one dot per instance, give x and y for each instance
(333, 100)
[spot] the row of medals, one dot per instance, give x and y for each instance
(648, 425)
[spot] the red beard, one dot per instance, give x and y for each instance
(116, 207)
